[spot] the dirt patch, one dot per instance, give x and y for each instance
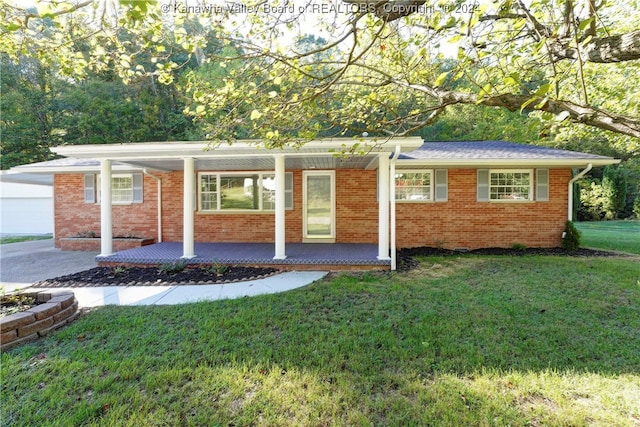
(154, 276)
(582, 252)
(10, 304)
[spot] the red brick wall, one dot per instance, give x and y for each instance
(73, 215)
(356, 206)
(461, 222)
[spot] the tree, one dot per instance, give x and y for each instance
(27, 125)
(577, 62)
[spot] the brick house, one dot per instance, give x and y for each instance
(394, 194)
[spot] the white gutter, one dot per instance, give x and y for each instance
(510, 163)
(574, 179)
(392, 198)
(159, 181)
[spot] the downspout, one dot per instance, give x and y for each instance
(574, 179)
(392, 199)
(159, 181)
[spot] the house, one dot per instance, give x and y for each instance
(26, 207)
(394, 193)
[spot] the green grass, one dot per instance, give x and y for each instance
(18, 239)
(611, 235)
(475, 341)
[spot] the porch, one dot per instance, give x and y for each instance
(300, 256)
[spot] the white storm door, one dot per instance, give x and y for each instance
(319, 206)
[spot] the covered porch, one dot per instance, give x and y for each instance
(300, 256)
(319, 244)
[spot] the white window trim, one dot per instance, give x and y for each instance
(531, 179)
(220, 175)
(432, 185)
(98, 189)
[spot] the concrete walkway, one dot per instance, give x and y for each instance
(168, 295)
(22, 264)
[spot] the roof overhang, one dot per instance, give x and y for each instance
(26, 178)
(245, 154)
(506, 163)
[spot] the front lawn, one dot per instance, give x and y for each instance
(468, 340)
(17, 239)
(611, 235)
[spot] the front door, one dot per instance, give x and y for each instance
(319, 206)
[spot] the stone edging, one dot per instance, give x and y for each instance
(57, 309)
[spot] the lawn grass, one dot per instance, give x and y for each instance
(18, 239)
(611, 235)
(469, 340)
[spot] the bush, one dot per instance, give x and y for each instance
(571, 237)
(172, 267)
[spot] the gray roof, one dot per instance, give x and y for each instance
(492, 150)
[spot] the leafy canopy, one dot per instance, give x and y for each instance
(376, 67)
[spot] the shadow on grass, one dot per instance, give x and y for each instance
(469, 340)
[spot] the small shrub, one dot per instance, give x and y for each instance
(120, 270)
(519, 247)
(172, 267)
(218, 268)
(571, 237)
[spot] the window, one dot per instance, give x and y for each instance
(413, 186)
(421, 185)
(505, 185)
(243, 191)
(122, 189)
(125, 188)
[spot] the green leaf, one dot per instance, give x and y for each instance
(527, 103)
(543, 90)
(584, 24)
(440, 79)
(255, 115)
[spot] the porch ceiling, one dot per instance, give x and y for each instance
(261, 163)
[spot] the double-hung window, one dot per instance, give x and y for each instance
(512, 185)
(241, 191)
(414, 186)
(421, 185)
(125, 188)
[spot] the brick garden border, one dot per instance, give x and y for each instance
(57, 309)
(93, 243)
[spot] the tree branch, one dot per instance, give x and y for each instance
(618, 48)
(583, 114)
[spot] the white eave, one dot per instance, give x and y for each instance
(504, 163)
(244, 148)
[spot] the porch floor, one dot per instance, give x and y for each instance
(299, 255)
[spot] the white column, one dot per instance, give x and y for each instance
(280, 208)
(383, 206)
(392, 197)
(188, 246)
(106, 221)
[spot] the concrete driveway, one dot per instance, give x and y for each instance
(22, 264)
